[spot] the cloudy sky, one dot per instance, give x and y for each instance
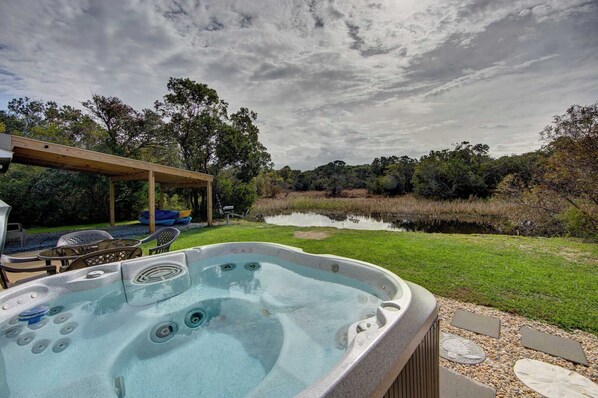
(330, 79)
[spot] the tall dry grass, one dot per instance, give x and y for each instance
(406, 206)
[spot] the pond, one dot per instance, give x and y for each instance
(352, 221)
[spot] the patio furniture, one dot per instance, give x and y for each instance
(4, 268)
(16, 230)
(66, 254)
(83, 237)
(105, 257)
(164, 237)
(228, 211)
(114, 243)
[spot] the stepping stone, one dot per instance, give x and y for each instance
(477, 323)
(457, 349)
(557, 346)
(553, 381)
(455, 385)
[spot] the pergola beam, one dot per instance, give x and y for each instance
(131, 177)
(185, 185)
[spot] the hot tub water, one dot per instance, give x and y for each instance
(268, 325)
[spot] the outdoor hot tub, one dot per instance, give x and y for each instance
(226, 320)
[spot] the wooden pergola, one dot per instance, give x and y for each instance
(46, 154)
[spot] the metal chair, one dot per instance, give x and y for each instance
(105, 257)
(83, 237)
(164, 237)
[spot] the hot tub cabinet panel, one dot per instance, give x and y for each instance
(419, 378)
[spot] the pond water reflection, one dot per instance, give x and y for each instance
(353, 221)
(318, 220)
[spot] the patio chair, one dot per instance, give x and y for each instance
(105, 257)
(164, 237)
(4, 268)
(83, 237)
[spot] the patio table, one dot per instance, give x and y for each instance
(67, 253)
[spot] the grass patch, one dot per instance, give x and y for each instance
(39, 230)
(550, 279)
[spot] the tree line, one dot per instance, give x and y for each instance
(556, 185)
(190, 127)
(462, 172)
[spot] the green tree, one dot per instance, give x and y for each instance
(557, 185)
(269, 184)
(289, 176)
(571, 170)
(331, 177)
(193, 114)
(238, 146)
(379, 165)
(524, 168)
(209, 141)
(452, 174)
(48, 122)
(127, 132)
(572, 167)
(394, 175)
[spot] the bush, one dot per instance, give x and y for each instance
(230, 191)
(577, 223)
(453, 174)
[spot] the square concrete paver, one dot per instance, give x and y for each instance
(455, 385)
(562, 347)
(477, 323)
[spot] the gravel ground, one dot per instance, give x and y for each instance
(47, 240)
(501, 354)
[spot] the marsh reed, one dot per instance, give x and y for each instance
(406, 206)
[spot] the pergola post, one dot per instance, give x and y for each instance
(152, 201)
(209, 204)
(112, 205)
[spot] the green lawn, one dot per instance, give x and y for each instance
(552, 279)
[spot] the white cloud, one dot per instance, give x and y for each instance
(332, 78)
(493, 71)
